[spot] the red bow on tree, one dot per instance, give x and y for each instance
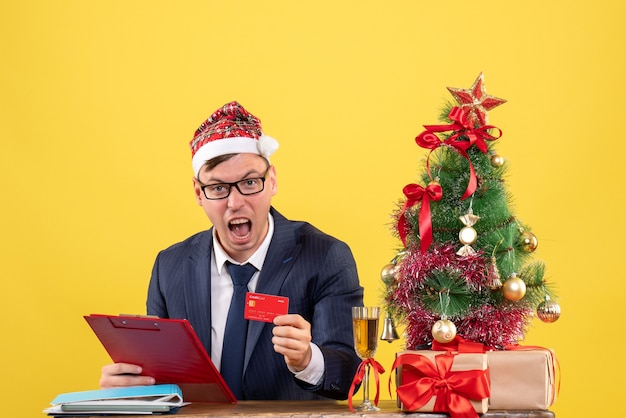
(463, 127)
(415, 193)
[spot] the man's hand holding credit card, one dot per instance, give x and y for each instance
(262, 307)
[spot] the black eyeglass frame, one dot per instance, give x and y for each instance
(236, 184)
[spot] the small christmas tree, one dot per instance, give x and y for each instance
(465, 267)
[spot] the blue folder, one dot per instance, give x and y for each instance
(163, 398)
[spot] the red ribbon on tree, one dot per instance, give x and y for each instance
(358, 378)
(415, 193)
(453, 390)
(463, 127)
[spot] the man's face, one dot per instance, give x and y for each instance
(240, 221)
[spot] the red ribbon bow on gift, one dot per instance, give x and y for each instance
(358, 378)
(463, 127)
(415, 193)
(460, 345)
(453, 390)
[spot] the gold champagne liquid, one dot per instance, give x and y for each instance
(365, 337)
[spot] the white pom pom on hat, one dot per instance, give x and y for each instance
(231, 129)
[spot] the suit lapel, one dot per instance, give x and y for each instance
(197, 288)
(280, 258)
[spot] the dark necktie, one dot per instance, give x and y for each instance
(234, 347)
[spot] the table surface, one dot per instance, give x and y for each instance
(323, 409)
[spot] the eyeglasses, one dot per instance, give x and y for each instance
(246, 187)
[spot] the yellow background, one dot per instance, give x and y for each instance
(100, 98)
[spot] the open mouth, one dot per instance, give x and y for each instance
(240, 228)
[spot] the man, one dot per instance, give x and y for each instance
(306, 354)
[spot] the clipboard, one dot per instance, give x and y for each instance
(167, 349)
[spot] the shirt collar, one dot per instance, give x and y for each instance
(255, 259)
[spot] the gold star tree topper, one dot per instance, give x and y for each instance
(475, 100)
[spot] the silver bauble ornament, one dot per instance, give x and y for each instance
(548, 311)
(388, 272)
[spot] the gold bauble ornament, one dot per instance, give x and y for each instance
(548, 311)
(528, 241)
(389, 272)
(497, 160)
(444, 331)
(514, 288)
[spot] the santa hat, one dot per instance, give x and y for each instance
(230, 130)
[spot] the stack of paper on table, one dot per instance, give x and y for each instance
(165, 398)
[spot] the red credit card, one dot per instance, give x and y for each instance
(261, 307)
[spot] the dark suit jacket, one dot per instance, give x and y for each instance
(315, 271)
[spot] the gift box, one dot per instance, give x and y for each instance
(440, 381)
(523, 378)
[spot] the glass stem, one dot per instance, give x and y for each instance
(366, 385)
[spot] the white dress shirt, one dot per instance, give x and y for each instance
(222, 292)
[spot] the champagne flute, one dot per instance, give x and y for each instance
(365, 327)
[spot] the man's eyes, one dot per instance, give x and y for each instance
(217, 187)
